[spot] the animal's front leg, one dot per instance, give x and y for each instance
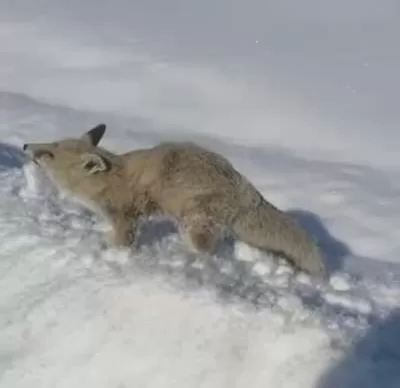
(123, 231)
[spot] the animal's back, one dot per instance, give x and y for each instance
(192, 166)
(180, 175)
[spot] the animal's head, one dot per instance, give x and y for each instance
(74, 162)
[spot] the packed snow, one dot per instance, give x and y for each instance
(301, 98)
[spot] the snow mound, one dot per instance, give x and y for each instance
(73, 314)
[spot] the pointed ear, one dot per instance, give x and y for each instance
(94, 163)
(94, 136)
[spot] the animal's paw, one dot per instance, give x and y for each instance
(113, 241)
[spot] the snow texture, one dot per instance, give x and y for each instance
(302, 98)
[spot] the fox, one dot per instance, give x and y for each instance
(198, 187)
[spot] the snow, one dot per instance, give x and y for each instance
(301, 98)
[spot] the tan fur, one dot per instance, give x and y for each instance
(200, 188)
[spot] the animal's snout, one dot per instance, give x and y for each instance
(36, 151)
(43, 153)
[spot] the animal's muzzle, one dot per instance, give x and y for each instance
(35, 152)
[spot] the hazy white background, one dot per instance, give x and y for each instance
(310, 75)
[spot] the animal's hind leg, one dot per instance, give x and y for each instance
(205, 221)
(201, 235)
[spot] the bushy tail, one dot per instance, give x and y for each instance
(265, 227)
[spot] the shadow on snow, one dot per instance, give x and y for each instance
(10, 156)
(373, 361)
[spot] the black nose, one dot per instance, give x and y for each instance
(25, 146)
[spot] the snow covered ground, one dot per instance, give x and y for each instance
(301, 98)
